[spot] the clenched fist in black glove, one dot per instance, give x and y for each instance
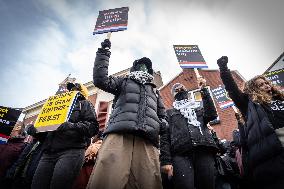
(223, 61)
(106, 44)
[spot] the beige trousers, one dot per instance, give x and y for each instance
(126, 162)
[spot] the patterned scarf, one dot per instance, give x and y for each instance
(187, 109)
(141, 77)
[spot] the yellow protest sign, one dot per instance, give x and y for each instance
(55, 111)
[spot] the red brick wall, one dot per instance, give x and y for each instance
(188, 78)
(93, 99)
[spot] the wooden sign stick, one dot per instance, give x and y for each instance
(235, 109)
(108, 35)
(198, 76)
(197, 73)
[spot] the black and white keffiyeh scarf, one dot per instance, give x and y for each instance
(141, 77)
(187, 109)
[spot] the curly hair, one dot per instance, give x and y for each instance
(252, 89)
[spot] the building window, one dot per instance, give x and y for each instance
(196, 96)
(102, 114)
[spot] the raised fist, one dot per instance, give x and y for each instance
(223, 61)
(106, 44)
(201, 82)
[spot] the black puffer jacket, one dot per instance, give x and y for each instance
(138, 110)
(84, 126)
(264, 153)
(183, 138)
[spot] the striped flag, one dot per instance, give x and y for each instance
(3, 138)
(227, 104)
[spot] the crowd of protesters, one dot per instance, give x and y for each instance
(145, 146)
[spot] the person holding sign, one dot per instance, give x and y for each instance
(64, 148)
(262, 107)
(188, 152)
(129, 157)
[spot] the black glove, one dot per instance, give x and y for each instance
(106, 44)
(31, 130)
(65, 126)
(238, 117)
(223, 61)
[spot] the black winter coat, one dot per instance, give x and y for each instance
(138, 108)
(23, 169)
(9, 153)
(184, 138)
(264, 152)
(84, 126)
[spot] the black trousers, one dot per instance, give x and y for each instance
(194, 170)
(58, 170)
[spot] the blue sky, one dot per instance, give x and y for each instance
(42, 41)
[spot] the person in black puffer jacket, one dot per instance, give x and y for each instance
(188, 152)
(262, 107)
(129, 154)
(64, 148)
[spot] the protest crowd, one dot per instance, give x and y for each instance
(145, 145)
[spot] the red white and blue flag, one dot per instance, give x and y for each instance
(189, 56)
(226, 104)
(112, 20)
(3, 138)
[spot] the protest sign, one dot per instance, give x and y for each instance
(8, 119)
(221, 96)
(276, 77)
(189, 56)
(55, 111)
(112, 20)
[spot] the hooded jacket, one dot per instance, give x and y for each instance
(184, 138)
(84, 125)
(138, 108)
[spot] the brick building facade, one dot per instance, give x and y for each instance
(102, 101)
